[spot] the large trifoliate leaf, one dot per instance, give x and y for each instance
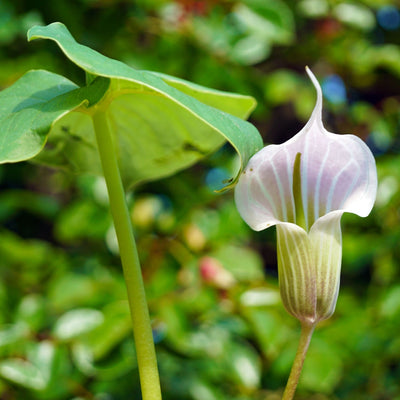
(160, 124)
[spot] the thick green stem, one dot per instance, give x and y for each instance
(146, 355)
(305, 338)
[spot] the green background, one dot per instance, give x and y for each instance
(220, 328)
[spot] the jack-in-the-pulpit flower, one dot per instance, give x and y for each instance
(304, 186)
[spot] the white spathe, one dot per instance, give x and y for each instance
(304, 186)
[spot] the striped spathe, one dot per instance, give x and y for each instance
(304, 186)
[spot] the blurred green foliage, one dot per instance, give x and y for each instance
(218, 322)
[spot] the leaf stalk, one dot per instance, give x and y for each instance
(145, 350)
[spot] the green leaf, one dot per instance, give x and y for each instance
(355, 15)
(12, 334)
(235, 258)
(77, 322)
(118, 364)
(114, 328)
(30, 107)
(82, 221)
(159, 128)
(104, 351)
(23, 373)
(265, 22)
(31, 312)
(245, 365)
(33, 373)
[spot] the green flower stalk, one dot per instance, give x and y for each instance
(304, 186)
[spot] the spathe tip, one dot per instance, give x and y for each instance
(318, 104)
